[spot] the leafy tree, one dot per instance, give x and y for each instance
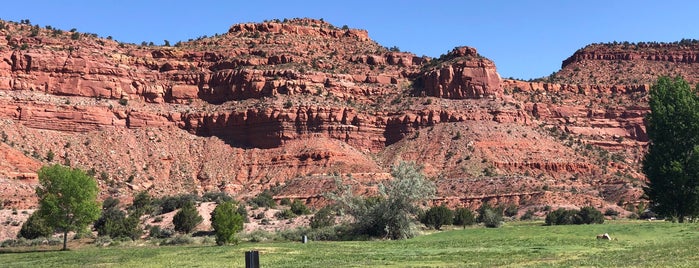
(226, 223)
(672, 161)
(463, 217)
(392, 214)
(323, 218)
(67, 199)
(187, 218)
(436, 217)
(35, 227)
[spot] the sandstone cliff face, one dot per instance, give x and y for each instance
(464, 74)
(289, 104)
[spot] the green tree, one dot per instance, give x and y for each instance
(35, 227)
(187, 218)
(323, 218)
(299, 208)
(438, 216)
(463, 217)
(67, 199)
(226, 223)
(114, 222)
(672, 161)
(393, 213)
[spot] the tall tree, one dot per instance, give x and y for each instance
(672, 161)
(67, 199)
(226, 222)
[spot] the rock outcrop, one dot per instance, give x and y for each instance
(462, 74)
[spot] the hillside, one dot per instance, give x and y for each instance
(293, 104)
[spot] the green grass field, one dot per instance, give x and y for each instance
(522, 244)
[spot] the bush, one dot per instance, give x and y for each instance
(562, 216)
(187, 219)
(492, 218)
(586, 215)
(157, 232)
(172, 203)
(590, 215)
(113, 222)
(323, 218)
(483, 208)
(75, 36)
(299, 208)
(285, 214)
(218, 197)
(285, 201)
(35, 227)
(264, 199)
(529, 215)
(226, 222)
(611, 212)
(177, 240)
(243, 212)
(436, 217)
(511, 211)
(463, 217)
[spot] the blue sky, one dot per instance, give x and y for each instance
(526, 39)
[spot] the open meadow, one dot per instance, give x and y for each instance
(517, 244)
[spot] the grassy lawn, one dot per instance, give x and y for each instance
(527, 244)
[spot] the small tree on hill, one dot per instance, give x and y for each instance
(463, 217)
(67, 199)
(437, 216)
(299, 208)
(226, 223)
(187, 218)
(672, 161)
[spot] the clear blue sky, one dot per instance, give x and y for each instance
(526, 39)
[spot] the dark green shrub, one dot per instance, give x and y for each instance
(611, 212)
(243, 212)
(323, 218)
(35, 227)
(142, 202)
(113, 222)
(529, 215)
(285, 214)
(285, 201)
(218, 197)
(75, 36)
(562, 216)
(264, 199)
(436, 217)
(299, 208)
(157, 232)
(511, 211)
(226, 222)
(590, 215)
(187, 219)
(463, 217)
(172, 203)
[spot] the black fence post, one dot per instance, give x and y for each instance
(252, 259)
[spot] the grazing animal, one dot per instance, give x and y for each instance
(604, 236)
